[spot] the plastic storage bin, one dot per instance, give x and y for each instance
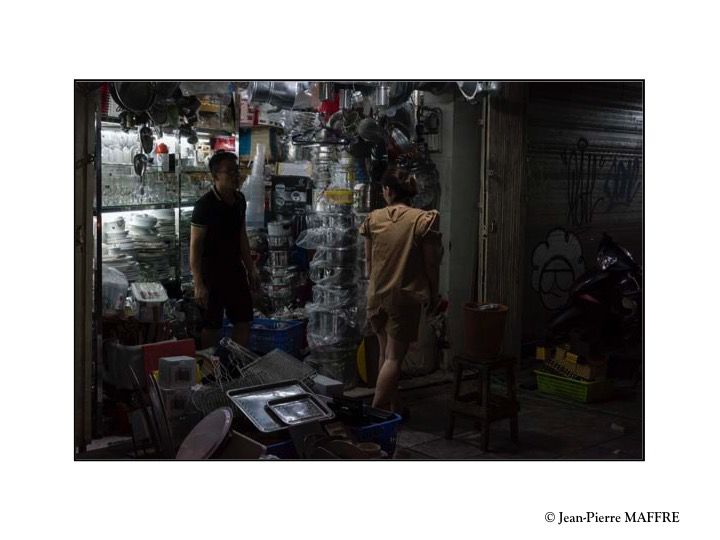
(150, 299)
(383, 433)
(585, 391)
(269, 334)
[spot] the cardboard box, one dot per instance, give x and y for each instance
(176, 371)
(250, 137)
(291, 195)
(295, 168)
(589, 371)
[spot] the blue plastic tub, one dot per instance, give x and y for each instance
(269, 334)
(383, 433)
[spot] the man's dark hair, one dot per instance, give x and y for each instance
(218, 158)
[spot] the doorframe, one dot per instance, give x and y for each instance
(483, 224)
(86, 106)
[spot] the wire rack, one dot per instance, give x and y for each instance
(243, 369)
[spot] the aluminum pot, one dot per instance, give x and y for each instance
(278, 242)
(334, 296)
(279, 291)
(277, 93)
(365, 197)
(294, 152)
(332, 275)
(338, 256)
(330, 324)
(333, 220)
(279, 257)
(279, 228)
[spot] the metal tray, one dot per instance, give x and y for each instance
(294, 410)
(252, 402)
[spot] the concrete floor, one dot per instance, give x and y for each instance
(549, 428)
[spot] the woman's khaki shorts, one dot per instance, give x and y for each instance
(398, 321)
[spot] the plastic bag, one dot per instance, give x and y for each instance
(321, 273)
(114, 290)
(334, 297)
(332, 220)
(344, 256)
(327, 237)
(330, 327)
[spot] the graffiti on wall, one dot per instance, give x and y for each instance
(556, 264)
(584, 170)
(622, 183)
(581, 168)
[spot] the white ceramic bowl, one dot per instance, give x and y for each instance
(144, 220)
(114, 226)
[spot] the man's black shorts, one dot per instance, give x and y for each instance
(231, 294)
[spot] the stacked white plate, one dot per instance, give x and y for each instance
(166, 229)
(152, 250)
(122, 262)
(119, 248)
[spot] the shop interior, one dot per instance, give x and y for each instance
(535, 351)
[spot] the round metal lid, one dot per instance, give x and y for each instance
(207, 436)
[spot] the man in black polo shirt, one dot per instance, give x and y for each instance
(222, 268)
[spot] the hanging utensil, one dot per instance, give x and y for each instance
(146, 139)
(159, 114)
(136, 97)
(369, 130)
(400, 142)
(140, 164)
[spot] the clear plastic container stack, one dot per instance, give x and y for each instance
(334, 328)
(281, 287)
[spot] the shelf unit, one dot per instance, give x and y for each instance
(177, 196)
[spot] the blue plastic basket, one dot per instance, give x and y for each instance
(269, 334)
(383, 433)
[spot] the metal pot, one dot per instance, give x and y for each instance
(401, 141)
(294, 152)
(334, 296)
(278, 242)
(330, 324)
(278, 292)
(332, 275)
(364, 196)
(279, 257)
(134, 96)
(334, 220)
(341, 256)
(277, 93)
(279, 228)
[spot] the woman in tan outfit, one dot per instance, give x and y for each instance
(403, 249)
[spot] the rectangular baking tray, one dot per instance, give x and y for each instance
(299, 409)
(252, 402)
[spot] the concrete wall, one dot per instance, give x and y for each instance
(459, 168)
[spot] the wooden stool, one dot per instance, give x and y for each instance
(481, 404)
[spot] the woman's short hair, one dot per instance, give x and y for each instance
(401, 182)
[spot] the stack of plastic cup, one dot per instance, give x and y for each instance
(254, 191)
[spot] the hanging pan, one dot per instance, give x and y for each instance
(136, 97)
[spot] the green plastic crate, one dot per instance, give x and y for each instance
(585, 391)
